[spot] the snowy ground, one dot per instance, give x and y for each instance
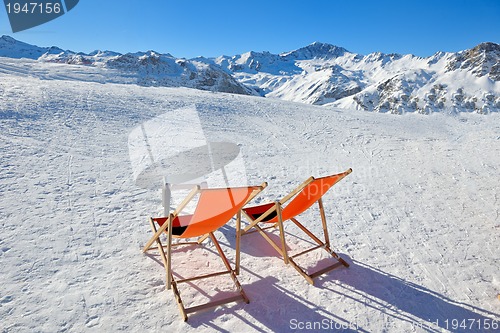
(418, 219)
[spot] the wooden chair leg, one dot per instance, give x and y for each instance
(327, 238)
(228, 266)
(162, 252)
(323, 221)
(319, 242)
(238, 241)
(169, 252)
(281, 250)
(269, 240)
(282, 232)
(185, 311)
(179, 300)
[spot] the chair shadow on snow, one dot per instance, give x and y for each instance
(273, 308)
(392, 296)
(406, 301)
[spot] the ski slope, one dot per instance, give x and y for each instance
(418, 219)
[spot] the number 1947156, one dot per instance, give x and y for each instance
(33, 8)
(471, 324)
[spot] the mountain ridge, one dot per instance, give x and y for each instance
(319, 73)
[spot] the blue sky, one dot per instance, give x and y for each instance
(212, 28)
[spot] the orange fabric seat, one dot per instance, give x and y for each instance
(214, 209)
(311, 193)
(297, 202)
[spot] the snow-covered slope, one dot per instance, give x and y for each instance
(143, 68)
(12, 48)
(418, 219)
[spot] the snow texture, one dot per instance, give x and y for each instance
(418, 219)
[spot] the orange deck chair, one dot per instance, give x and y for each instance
(214, 209)
(276, 213)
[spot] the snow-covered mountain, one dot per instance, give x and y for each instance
(12, 48)
(320, 74)
(155, 69)
(144, 68)
(326, 74)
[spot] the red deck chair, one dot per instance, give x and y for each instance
(214, 209)
(302, 198)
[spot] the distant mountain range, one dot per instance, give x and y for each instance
(321, 74)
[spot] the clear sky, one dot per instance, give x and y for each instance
(190, 28)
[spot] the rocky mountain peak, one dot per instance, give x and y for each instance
(486, 47)
(481, 60)
(8, 39)
(316, 50)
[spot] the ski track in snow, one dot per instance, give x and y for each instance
(417, 219)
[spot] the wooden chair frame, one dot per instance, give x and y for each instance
(281, 248)
(166, 256)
